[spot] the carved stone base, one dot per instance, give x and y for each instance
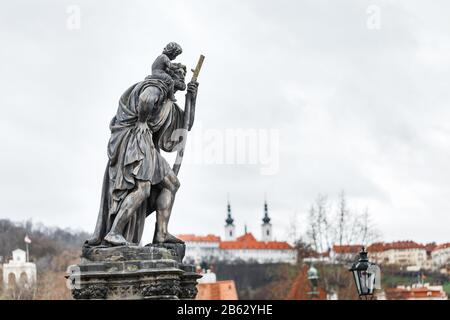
(150, 272)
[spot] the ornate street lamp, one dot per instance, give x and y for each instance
(313, 277)
(366, 275)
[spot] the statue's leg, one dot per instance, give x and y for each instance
(129, 206)
(164, 204)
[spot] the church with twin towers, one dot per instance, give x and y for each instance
(233, 248)
(266, 226)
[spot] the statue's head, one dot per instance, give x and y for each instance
(172, 50)
(179, 76)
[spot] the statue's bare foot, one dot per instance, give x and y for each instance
(167, 239)
(92, 242)
(172, 239)
(117, 239)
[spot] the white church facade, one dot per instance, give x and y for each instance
(19, 270)
(244, 248)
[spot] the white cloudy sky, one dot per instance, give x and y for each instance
(357, 109)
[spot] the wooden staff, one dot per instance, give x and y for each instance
(187, 116)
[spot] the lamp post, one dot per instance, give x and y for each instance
(313, 277)
(366, 275)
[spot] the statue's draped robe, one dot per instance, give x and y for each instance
(134, 156)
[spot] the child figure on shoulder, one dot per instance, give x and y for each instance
(164, 69)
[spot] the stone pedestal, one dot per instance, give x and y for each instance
(150, 272)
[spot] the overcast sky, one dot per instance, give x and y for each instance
(357, 93)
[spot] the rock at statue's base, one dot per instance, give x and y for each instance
(150, 272)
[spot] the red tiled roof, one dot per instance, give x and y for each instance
(376, 247)
(248, 237)
(347, 248)
(194, 238)
(404, 245)
(248, 241)
(397, 245)
(379, 247)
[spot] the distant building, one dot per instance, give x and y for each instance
(19, 270)
(440, 255)
(243, 248)
(247, 248)
(344, 253)
(211, 289)
(402, 253)
(416, 292)
(201, 248)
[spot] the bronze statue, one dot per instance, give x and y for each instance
(138, 180)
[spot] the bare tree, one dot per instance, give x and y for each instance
(320, 231)
(292, 229)
(342, 218)
(324, 228)
(312, 228)
(343, 227)
(366, 230)
(319, 224)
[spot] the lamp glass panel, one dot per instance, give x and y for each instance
(357, 281)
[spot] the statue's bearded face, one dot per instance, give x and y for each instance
(181, 73)
(179, 79)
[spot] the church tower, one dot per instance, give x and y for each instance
(230, 232)
(266, 227)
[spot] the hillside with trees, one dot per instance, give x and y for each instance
(52, 250)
